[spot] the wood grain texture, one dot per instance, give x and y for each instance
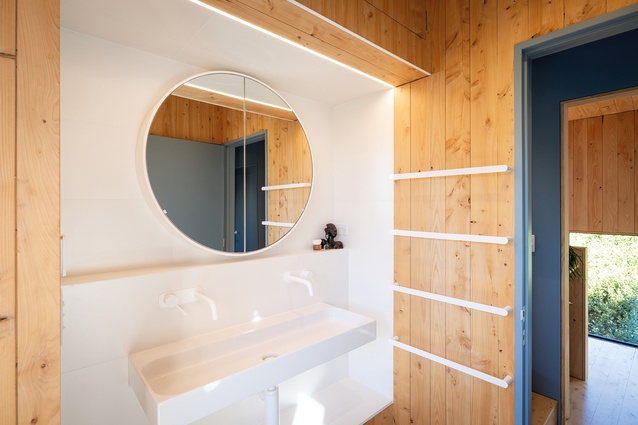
(545, 16)
(581, 10)
(402, 253)
(602, 186)
(513, 27)
(38, 212)
(298, 25)
(484, 198)
(7, 242)
(8, 27)
(578, 319)
(544, 410)
(466, 109)
(594, 180)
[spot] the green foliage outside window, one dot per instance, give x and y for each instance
(612, 285)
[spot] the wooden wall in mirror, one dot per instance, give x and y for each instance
(228, 162)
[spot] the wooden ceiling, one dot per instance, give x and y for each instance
(604, 105)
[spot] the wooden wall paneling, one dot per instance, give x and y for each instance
(578, 321)
(402, 256)
(513, 27)
(545, 16)
(484, 190)
(38, 211)
(7, 241)
(457, 155)
(421, 250)
(618, 4)
(581, 10)
(8, 27)
(625, 137)
(610, 174)
(410, 13)
(579, 185)
(592, 205)
(289, 20)
(570, 171)
(430, 94)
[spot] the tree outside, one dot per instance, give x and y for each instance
(612, 285)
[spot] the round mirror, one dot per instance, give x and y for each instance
(227, 162)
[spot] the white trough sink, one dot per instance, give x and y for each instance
(184, 381)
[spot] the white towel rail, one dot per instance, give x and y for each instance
(286, 186)
(455, 301)
(503, 383)
(453, 172)
(500, 240)
(277, 224)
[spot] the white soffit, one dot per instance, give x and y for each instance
(188, 33)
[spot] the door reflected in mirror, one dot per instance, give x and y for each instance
(228, 162)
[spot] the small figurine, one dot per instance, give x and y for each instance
(329, 242)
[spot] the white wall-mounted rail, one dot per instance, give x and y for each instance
(503, 383)
(453, 172)
(500, 240)
(277, 224)
(286, 186)
(504, 311)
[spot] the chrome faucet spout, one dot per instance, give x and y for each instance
(213, 306)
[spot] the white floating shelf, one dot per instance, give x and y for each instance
(286, 186)
(453, 172)
(277, 224)
(499, 240)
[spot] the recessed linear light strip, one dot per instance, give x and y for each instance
(195, 86)
(285, 40)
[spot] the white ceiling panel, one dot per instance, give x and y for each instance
(186, 32)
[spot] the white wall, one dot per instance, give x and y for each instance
(107, 91)
(363, 163)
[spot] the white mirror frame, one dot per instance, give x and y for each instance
(147, 190)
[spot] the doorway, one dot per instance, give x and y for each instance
(247, 168)
(564, 65)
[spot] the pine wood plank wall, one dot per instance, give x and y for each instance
(376, 21)
(462, 115)
(38, 211)
(289, 159)
(29, 212)
(7, 213)
(603, 177)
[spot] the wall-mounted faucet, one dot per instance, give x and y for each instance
(174, 299)
(303, 277)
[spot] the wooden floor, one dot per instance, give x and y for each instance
(610, 394)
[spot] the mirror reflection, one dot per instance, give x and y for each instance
(228, 162)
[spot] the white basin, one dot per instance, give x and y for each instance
(184, 381)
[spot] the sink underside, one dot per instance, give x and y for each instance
(192, 378)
